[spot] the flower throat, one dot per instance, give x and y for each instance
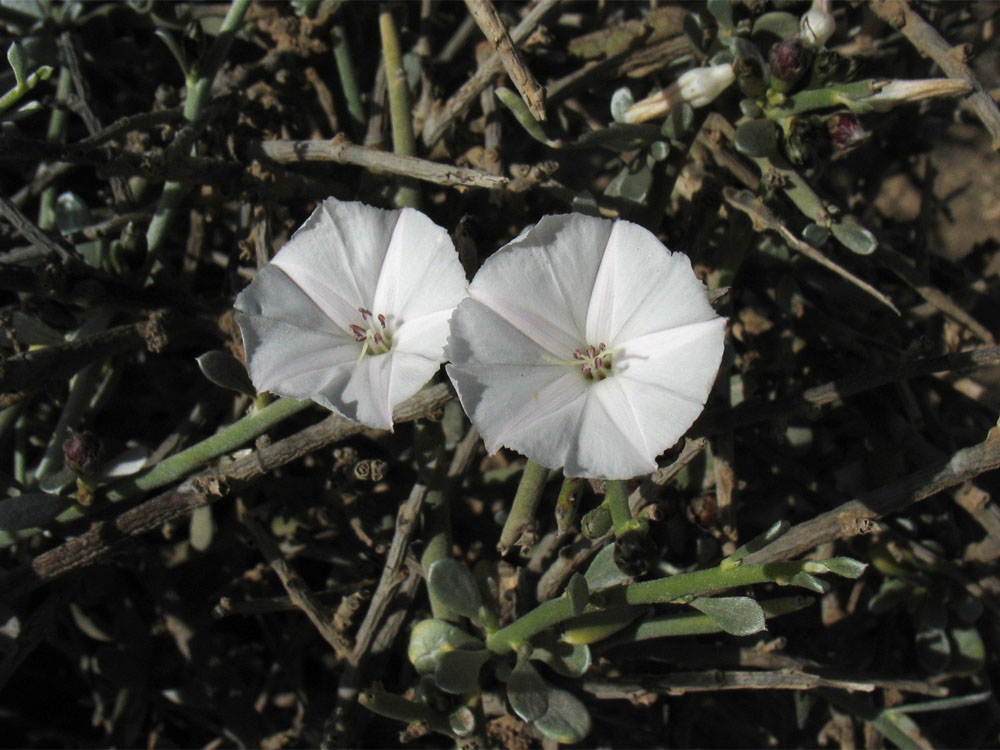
(595, 362)
(375, 334)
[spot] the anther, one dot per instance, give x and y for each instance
(381, 319)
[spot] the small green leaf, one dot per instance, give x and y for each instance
(603, 573)
(736, 615)
(969, 654)
(632, 183)
(568, 659)
(810, 582)
(429, 639)
(891, 594)
(453, 585)
(596, 523)
(816, 235)
(462, 721)
(678, 121)
(226, 371)
(566, 720)
(855, 238)
(578, 593)
(723, 12)
(757, 138)
(18, 63)
(846, 567)
(527, 691)
(778, 24)
(512, 101)
(621, 100)
(457, 671)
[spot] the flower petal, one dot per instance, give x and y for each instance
(336, 256)
(366, 396)
(508, 389)
(290, 361)
(420, 273)
(610, 418)
(542, 281)
(668, 375)
(274, 296)
(642, 287)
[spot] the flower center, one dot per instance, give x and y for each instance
(374, 334)
(595, 362)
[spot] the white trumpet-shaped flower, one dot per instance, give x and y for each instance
(586, 344)
(353, 311)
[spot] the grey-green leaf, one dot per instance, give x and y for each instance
(457, 671)
(678, 121)
(815, 235)
(566, 720)
(778, 24)
(429, 639)
(226, 371)
(453, 585)
(603, 572)
(527, 691)
(578, 593)
(621, 100)
(723, 12)
(757, 138)
(736, 615)
(15, 56)
(855, 238)
(568, 659)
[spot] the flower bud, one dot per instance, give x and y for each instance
(82, 452)
(789, 60)
(700, 86)
(817, 25)
(845, 130)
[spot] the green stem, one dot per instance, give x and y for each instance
(616, 501)
(199, 86)
(403, 141)
(568, 503)
(844, 95)
(180, 465)
(348, 79)
(660, 591)
(55, 133)
(522, 512)
(399, 708)
(12, 97)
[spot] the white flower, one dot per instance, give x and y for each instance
(353, 311)
(699, 87)
(586, 344)
(817, 24)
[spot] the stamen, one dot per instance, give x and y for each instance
(365, 314)
(381, 319)
(596, 362)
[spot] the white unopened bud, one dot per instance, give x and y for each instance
(817, 25)
(698, 87)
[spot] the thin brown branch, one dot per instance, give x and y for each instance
(106, 537)
(856, 516)
(342, 151)
(32, 370)
(496, 33)
(298, 592)
(33, 234)
(764, 218)
(467, 93)
(951, 59)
